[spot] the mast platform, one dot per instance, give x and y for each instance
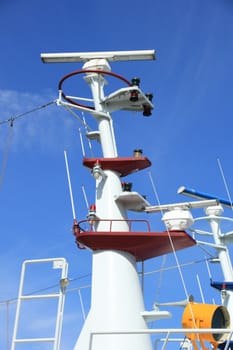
(143, 245)
(122, 165)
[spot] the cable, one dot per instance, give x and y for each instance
(175, 255)
(175, 266)
(12, 119)
(5, 155)
(10, 132)
(13, 300)
(224, 181)
(7, 327)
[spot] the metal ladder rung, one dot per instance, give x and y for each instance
(39, 296)
(34, 340)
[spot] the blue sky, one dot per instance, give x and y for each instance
(191, 126)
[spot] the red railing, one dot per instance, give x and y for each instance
(91, 225)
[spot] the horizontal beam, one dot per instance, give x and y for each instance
(184, 205)
(108, 55)
(202, 195)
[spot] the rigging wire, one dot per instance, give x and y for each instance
(10, 133)
(77, 117)
(6, 153)
(224, 181)
(7, 327)
(175, 266)
(13, 300)
(176, 258)
(164, 256)
(12, 119)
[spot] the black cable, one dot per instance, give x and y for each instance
(12, 119)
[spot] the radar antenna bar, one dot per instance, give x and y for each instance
(110, 56)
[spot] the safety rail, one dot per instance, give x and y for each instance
(92, 224)
(58, 263)
(167, 332)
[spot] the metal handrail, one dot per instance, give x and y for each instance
(166, 331)
(130, 222)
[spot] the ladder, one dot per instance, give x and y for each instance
(57, 263)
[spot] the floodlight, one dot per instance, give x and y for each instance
(98, 172)
(108, 55)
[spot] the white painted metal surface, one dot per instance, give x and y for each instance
(109, 55)
(115, 276)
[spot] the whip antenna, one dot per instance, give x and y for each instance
(85, 197)
(200, 288)
(70, 187)
(81, 141)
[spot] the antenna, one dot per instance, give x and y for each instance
(200, 288)
(208, 270)
(69, 183)
(81, 141)
(85, 197)
(108, 55)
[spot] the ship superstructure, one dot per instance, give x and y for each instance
(117, 318)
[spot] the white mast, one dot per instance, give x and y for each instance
(114, 272)
(117, 303)
(117, 300)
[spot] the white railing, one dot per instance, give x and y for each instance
(58, 263)
(167, 335)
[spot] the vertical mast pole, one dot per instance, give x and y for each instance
(114, 272)
(214, 219)
(96, 83)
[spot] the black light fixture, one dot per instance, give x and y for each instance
(147, 110)
(134, 93)
(126, 186)
(149, 96)
(135, 82)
